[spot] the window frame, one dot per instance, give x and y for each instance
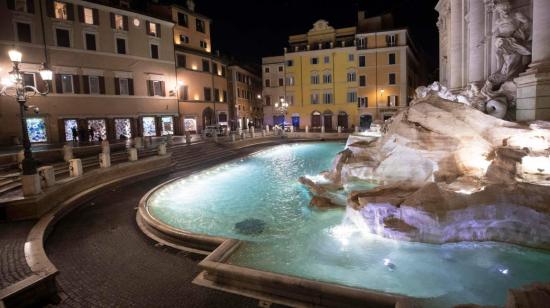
(70, 36)
(85, 40)
(121, 37)
(159, 83)
(63, 89)
(151, 44)
(120, 87)
(90, 78)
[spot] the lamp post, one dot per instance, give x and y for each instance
(21, 92)
(282, 108)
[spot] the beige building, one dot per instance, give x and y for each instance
(245, 95)
(201, 74)
(273, 90)
(113, 70)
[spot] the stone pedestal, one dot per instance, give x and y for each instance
(162, 149)
(104, 160)
(263, 133)
(216, 137)
(188, 137)
(105, 147)
(243, 135)
(322, 129)
(169, 139)
(267, 128)
(31, 184)
(47, 176)
(533, 96)
(292, 129)
(339, 129)
(252, 134)
(356, 129)
(67, 153)
(75, 167)
(132, 154)
(307, 129)
(138, 142)
(252, 129)
(232, 137)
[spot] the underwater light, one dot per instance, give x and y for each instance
(503, 271)
(389, 264)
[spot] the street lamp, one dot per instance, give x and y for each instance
(21, 92)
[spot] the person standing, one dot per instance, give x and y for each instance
(91, 133)
(75, 133)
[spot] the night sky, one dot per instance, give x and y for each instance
(251, 29)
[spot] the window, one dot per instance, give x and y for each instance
(391, 78)
(167, 125)
(67, 83)
(351, 76)
(36, 129)
(28, 79)
(266, 70)
(290, 80)
(268, 100)
(119, 22)
(392, 100)
(184, 39)
(314, 60)
(289, 63)
(184, 93)
(153, 29)
(223, 71)
(24, 32)
(154, 51)
(391, 58)
(20, 6)
(290, 100)
(327, 98)
(149, 126)
(362, 81)
(351, 57)
(182, 19)
(205, 66)
(315, 98)
(217, 95)
(157, 88)
(123, 128)
(90, 41)
(280, 68)
(267, 83)
(94, 84)
(60, 10)
(314, 79)
(362, 43)
(326, 59)
(327, 78)
(203, 44)
(362, 61)
(224, 96)
(363, 102)
(63, 37)
(281, 82)
(391, 40)
(351, 96)
(200, 25)
(88, 16)
(181, 60)
(121, 46)
(123, 85)
(207, 94)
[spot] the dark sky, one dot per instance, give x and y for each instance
(251, 29)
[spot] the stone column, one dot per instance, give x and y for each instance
(456, 44)
(541, 33)
(533, 96)
(476, 50)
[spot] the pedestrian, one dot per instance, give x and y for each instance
(91, 133)
(75, 133)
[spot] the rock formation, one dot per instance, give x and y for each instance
(449, 172)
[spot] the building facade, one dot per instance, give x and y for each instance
(201, 74)
(245, 95)
(498, 41)
(273, 90)
(113, 70)
(348, 77)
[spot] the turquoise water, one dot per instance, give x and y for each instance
(290, 238)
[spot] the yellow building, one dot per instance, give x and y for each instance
(347, 77)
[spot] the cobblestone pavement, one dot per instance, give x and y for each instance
(105, 260)
(13, 266)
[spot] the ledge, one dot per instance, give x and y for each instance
(40, 287)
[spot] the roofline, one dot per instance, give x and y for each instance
(123, 11)
(188, 11)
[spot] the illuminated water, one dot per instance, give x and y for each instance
(317, 245)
